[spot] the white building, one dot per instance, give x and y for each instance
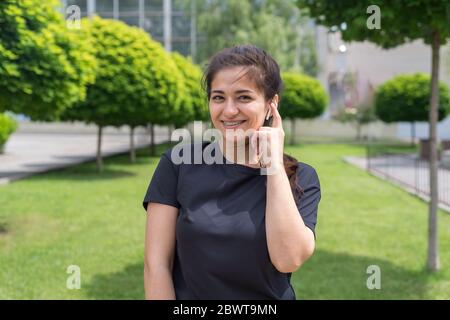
(374, 66)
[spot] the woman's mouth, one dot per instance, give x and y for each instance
(232, 124)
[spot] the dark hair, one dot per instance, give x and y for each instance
(262, 69)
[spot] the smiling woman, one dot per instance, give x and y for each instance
(230, 230)
(235, 101)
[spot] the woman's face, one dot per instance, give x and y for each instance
(236, 102)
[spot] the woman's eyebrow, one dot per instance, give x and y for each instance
(237, 91)
(244, 90)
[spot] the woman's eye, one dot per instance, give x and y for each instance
(217, 98)
(244, 98)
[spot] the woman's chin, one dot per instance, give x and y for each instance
(235, 140)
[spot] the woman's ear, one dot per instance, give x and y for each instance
(273, 103)
(275, 100)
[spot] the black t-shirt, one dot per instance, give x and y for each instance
(221, 245)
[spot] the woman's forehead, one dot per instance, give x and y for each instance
(233, 79)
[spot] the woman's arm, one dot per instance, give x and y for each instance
(290, 242)
(159, 251)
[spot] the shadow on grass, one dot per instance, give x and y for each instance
(326, 275)
(329, 275)
(4, 227)
(88, 170)
(83, 172)
(126, 284)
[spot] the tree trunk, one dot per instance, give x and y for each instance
(433, 252)
(358, 131)
(132, 149)
(413, 134)
(152, 140)
(170, 129)
(292, 131)
(99, 149)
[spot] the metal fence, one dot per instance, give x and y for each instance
(403, 166)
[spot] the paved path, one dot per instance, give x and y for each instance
(410, 173)
(30, 153)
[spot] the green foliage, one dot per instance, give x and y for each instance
(308, 55)
(357, 112)
(407, 98)
(7, 126)
(358, 115)
(137, 82)
(277, 26)
(194, 106)
(303, 97)
(401, 20)
(44, 67)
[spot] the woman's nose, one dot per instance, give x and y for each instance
(230, 109)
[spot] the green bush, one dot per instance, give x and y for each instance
(44, 66)
(407, 98)
(195, 106)
(136, 80)
(7, 126)
(303, 97)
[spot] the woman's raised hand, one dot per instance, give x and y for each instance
(268, 143)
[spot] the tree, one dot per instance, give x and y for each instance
(136, 81)
(356, 110)
(44, 67)
(401, 21)
(357, 115)
(406, 98)
(195, 106)
(303, 97)
(277, 26)
(7, 126)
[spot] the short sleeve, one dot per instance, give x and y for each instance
(308, 202)
(163, 185)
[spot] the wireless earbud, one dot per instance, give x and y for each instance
(273, 104)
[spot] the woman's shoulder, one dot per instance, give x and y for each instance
(305, 166)
(306, 172)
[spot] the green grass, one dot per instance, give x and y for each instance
(78, 217)
(365, 221)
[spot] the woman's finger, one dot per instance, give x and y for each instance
(254, 157)
(277, 121)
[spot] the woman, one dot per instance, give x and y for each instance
(225, 231)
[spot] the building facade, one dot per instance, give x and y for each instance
(172, 23)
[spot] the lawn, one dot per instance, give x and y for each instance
(78, 217)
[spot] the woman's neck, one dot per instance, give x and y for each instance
(236, 152)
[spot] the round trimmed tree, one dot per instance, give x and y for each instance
(7, 126)
(44, 66)
(407, 98)
(303, 97)
(136, 82)
(195, 105)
